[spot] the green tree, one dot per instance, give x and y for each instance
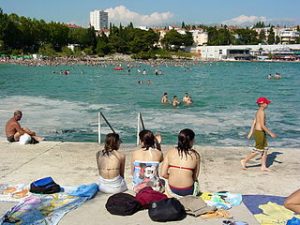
(262, 36)
(47, 50)
(102, 48)
(271, 37)
(173, 40)
(277, 39)
(220, 36)
(259, 24)
(246, 37)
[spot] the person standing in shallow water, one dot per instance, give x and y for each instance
(164, 98)
(259, 131)
(111, 166)
(175, 101)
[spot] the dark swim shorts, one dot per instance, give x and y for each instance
(11, 138)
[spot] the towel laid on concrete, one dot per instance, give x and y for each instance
(268, 209)
(42, 209)
(14, 193)
(195, 206)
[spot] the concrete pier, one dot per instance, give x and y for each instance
(74, 163)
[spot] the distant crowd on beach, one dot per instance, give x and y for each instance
(187, 100)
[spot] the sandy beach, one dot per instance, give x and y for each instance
(71, 163)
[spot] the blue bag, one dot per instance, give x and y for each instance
(45, 185)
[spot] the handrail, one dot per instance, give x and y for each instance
(140, 122)
(100, 114)
(106, 121)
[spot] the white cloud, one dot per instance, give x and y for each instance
(243, 20)
(121, 14)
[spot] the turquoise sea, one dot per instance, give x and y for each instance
(65, 107)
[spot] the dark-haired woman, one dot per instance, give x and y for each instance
(111, 166)
(145, 162)
(181, 166)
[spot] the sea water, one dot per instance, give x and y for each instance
(65, 107)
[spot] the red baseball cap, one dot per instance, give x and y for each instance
(261, 100)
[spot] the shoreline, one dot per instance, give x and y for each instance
(117, 59)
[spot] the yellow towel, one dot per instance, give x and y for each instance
(273, 214)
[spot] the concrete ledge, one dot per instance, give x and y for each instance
(72, 163)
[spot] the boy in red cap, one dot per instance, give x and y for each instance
(259, 131)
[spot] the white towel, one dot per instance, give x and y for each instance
(112, 186)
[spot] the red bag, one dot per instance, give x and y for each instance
(147, 195)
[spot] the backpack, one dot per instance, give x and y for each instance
(122, 204)
(166, 210)
(147, 195)
(44, 186)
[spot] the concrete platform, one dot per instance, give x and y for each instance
(74, 164)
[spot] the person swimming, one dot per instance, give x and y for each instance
(175, 101)
(164, 98)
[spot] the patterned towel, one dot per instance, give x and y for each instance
(42, 209)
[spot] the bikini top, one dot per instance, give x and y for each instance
(181, 167)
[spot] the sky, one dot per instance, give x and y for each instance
(160, 12)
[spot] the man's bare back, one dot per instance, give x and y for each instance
(14, 131)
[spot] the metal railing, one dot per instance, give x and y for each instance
(140, 124)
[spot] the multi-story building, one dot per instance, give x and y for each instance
(289, 36)
(99, 19)
(200, 37)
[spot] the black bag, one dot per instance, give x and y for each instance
(122, 204)
(166, 210)
(44, 186)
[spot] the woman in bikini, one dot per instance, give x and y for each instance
(181, 166)
(145, 162)
(111, 166)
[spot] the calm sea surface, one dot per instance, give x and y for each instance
(65, 107)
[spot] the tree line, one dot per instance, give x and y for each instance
(23, 35)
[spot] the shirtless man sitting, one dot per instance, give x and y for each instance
(14, 130)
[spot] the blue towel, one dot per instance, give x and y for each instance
(254, 201)
(88, 191)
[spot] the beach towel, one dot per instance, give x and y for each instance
(146, 175)
(268, 209)
(112, 186)
(222, 200)
(14, 193)
(88, 191)
(195, 206)
(42, 209)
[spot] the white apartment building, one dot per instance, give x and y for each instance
(288, 36)
(200, 37)
(99, 19)
(240, 51)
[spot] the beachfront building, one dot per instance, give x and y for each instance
(99, 19)
(200, 37)
(289, 36)
(247, 52)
